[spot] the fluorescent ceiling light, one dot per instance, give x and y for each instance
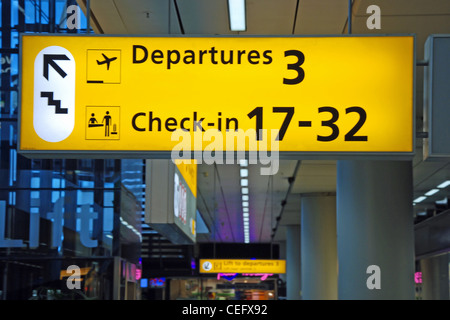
(244, 190)
(245, 214)
(420, 199)
(243, 162)
(236, 9)
(244, 173)
(244, 198)
(244, 182)
(431, 192)
(444, 184)
(245, 210)
(245, 203)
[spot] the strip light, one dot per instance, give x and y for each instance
(236, 10)
(431, 192)
(419, 199)
(245, 199)
(444, 184)
(244, 173)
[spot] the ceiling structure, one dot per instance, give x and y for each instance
(275, 200)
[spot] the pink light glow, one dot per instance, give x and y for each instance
(231, 276)
(228, 276)
(418, 277)
(263, 276)
(138, 274)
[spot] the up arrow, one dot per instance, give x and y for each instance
(49, 59)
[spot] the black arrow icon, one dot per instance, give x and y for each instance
(49, 60)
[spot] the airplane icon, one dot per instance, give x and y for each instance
(107, 61)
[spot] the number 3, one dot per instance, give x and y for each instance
(295, 66)
(330, 123)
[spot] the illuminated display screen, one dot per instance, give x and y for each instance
(153, 282)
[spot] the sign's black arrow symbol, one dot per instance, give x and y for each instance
(56, 103)
(49, 60)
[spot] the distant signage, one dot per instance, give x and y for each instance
(185, 194)
(232, 276)
(171, 190)
(141, 96)
(153, 282)
(437, 97)
(245, 266)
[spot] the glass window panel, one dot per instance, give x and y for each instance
(91, 221)
(12, 198)
(13, 169)
(60, 13)
(35, 182)
(30, 12)
(14, 13)
(109, 184)
(87, 184)
(78, 223)
(14, 104)
(55, 196)
(15, 39)
(108, 219)
(85, 197)
(56, 183)
(108, 199)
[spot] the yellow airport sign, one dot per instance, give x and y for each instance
(188, 170)
(242, 266)
(140, 96)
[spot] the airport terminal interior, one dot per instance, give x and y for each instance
(332, 226)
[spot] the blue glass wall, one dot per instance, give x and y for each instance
(55, 213)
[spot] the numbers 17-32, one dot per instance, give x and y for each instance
(329, 117)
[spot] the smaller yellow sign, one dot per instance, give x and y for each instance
(188, 169)
(242, 266)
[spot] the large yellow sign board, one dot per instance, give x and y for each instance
(242, 266)
(138, 96)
